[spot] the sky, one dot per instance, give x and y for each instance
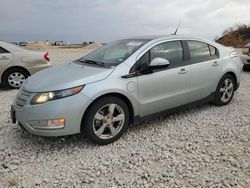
(77, 21)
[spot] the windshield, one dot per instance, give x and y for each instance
(114, 53)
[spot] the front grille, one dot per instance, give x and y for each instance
(22, 97)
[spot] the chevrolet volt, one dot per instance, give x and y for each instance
(124, 82)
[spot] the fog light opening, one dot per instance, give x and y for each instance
(57, 123)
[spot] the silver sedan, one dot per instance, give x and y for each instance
(17, 63)
(124, 82)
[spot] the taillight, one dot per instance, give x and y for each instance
(46, 56)
(233, 54)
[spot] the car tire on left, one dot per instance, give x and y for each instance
(14, 78)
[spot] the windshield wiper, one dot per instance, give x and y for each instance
(92, 62)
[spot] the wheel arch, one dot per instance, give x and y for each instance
(113, 94)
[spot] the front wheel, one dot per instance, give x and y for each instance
(106, 120)
(225, 90)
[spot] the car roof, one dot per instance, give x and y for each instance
(157, 38)
(153, 37)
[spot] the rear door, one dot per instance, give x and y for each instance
(5, 57)
(166, 88)
(204, 69)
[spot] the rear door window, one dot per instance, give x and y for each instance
(201, 51)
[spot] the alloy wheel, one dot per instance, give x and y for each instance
(226, 90)
(108, 121)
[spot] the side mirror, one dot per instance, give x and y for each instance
(159, 63)
(156, 63)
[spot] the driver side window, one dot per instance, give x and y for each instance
(172, 51)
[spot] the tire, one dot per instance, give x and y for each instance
(14, 78)
(103, 125)
(225, 90)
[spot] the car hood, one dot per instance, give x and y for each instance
(65, 76)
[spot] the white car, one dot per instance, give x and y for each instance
(17, 63)
(246, 57)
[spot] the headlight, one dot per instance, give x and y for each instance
(40, 98)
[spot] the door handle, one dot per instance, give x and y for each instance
(215, 64)
(183, 71)
(4, 58)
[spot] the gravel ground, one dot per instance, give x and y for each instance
(204, 146)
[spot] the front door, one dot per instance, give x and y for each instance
(164, 88)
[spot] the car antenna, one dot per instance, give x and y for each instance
(176, 29)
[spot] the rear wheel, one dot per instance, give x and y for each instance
(225, 90)
(14, 78)
(106, 120)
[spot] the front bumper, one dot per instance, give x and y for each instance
(32, 117)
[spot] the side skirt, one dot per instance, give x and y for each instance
(138, 119)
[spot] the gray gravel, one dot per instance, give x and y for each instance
(205, 146)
